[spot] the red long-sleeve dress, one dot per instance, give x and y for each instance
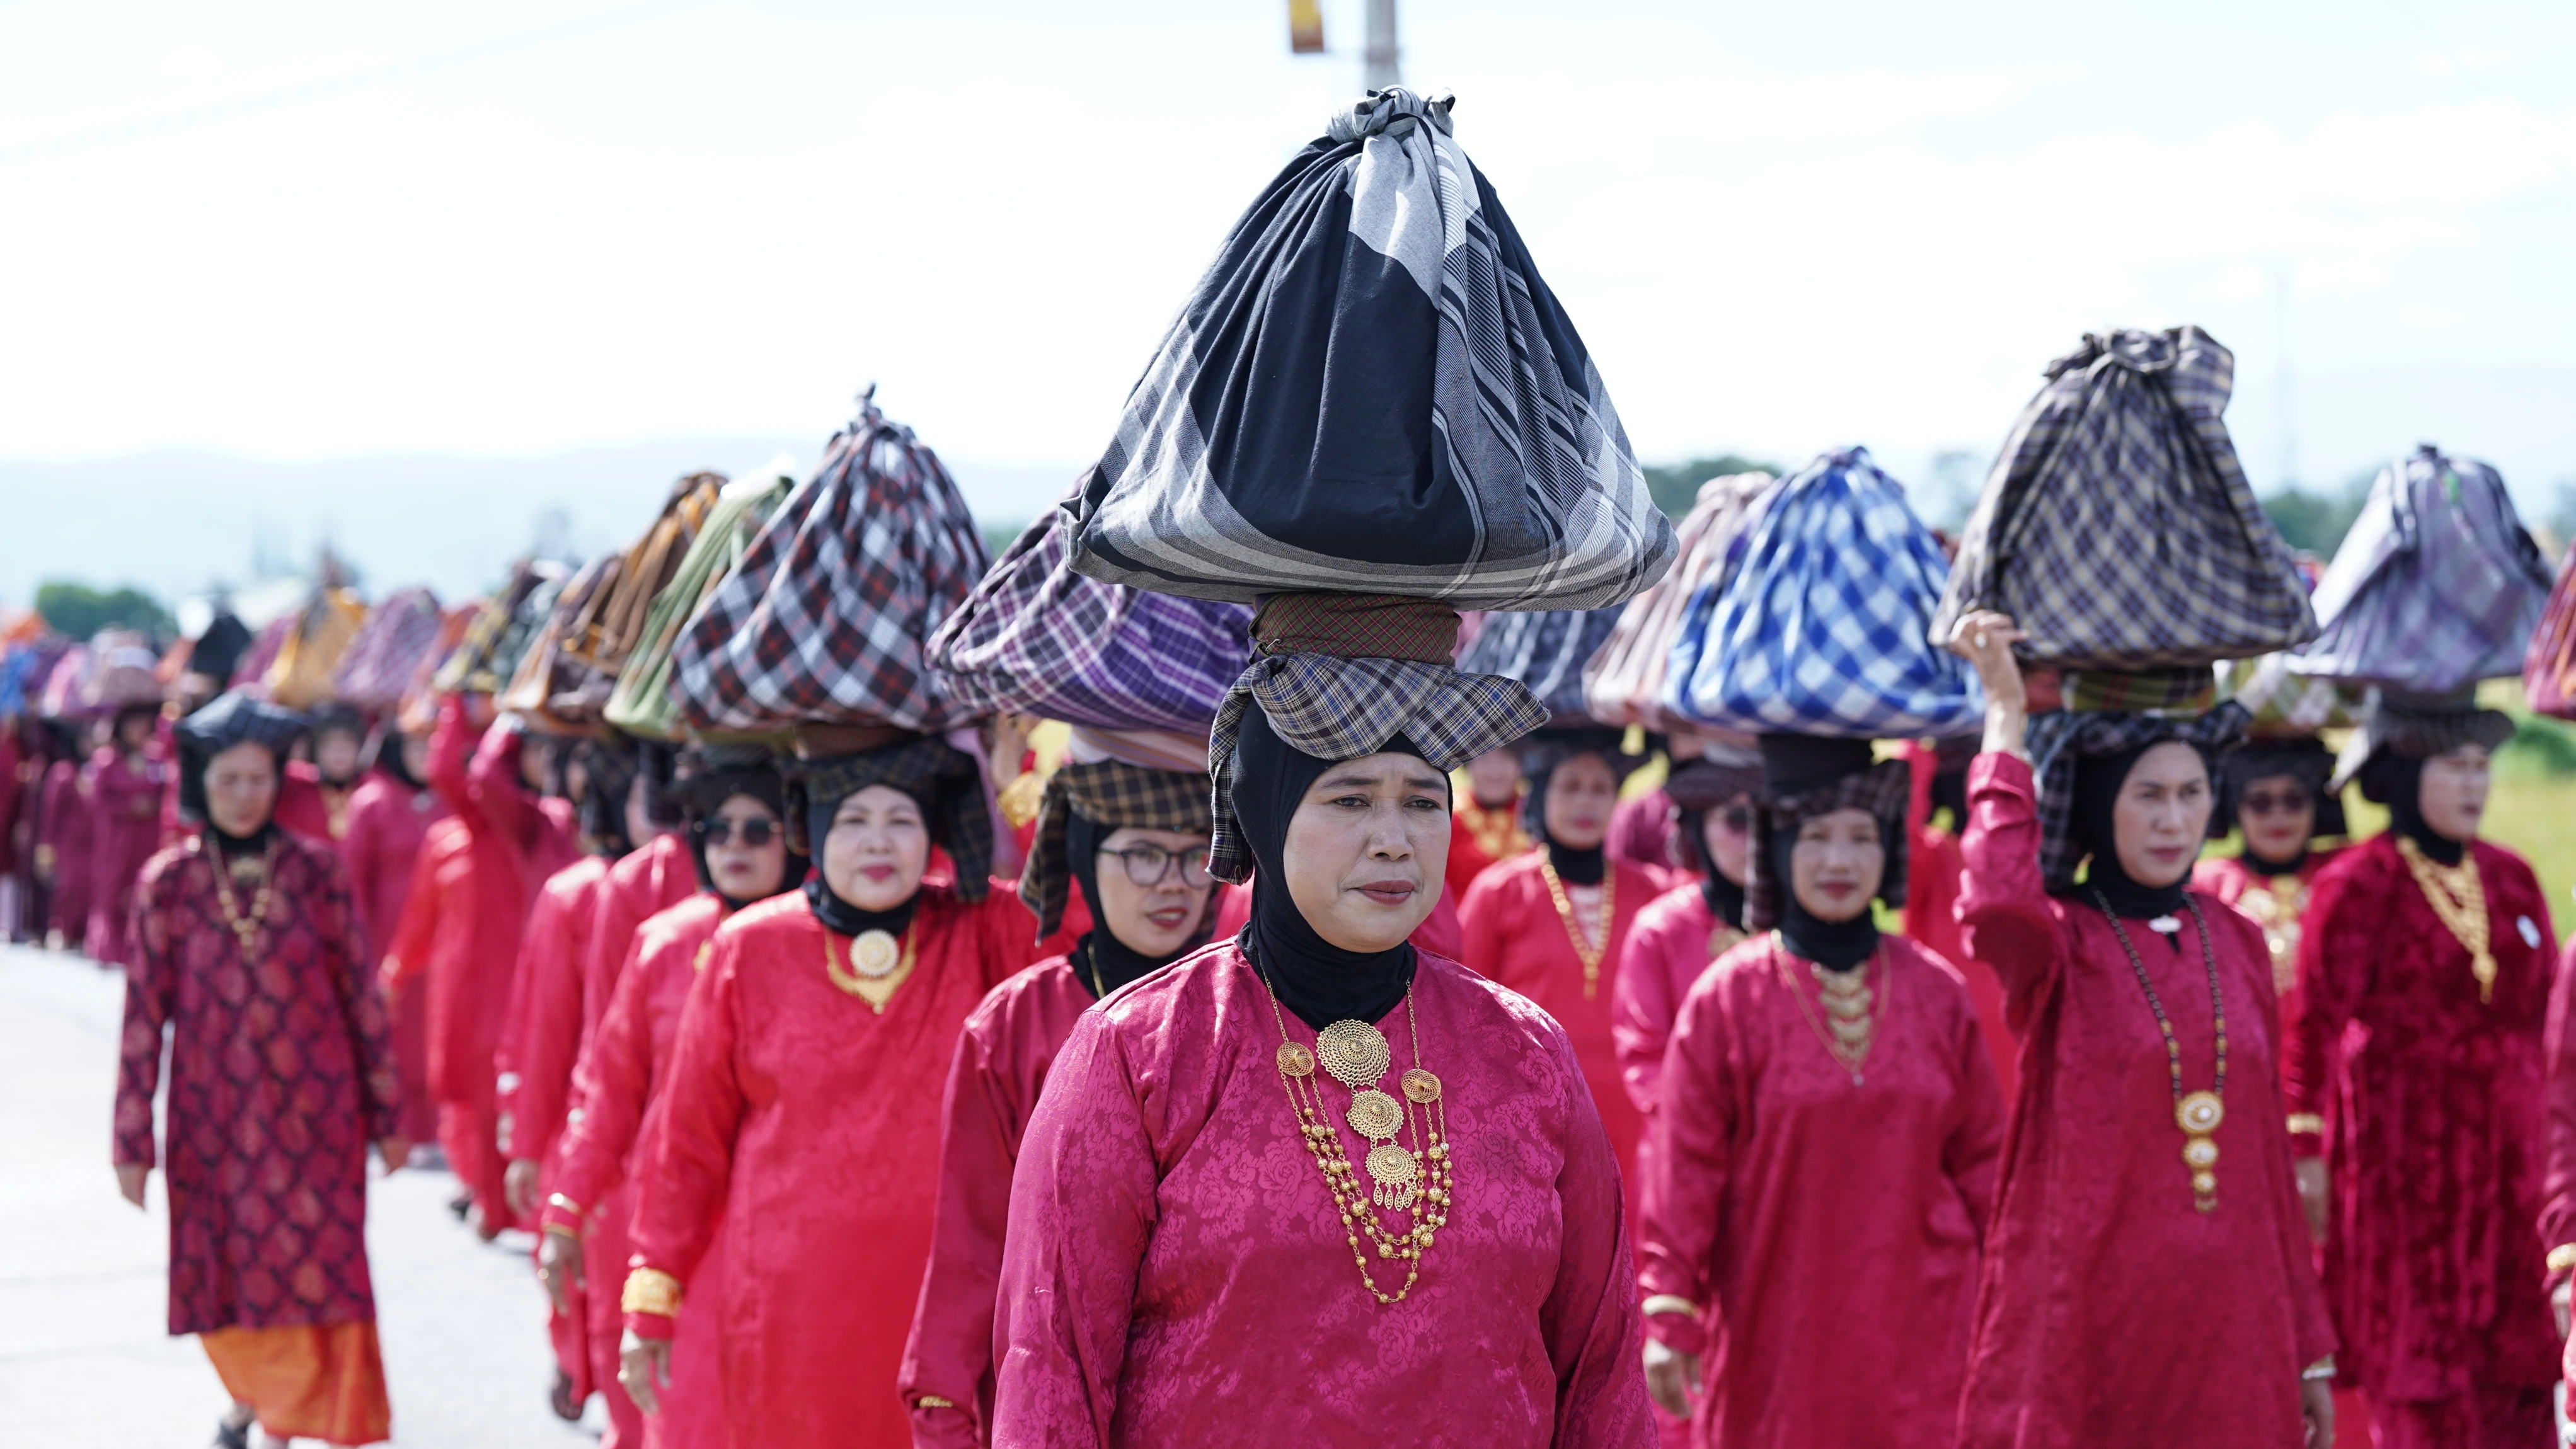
(806, 1123)
(1175, 1273)
(2276, 903)
(2111, 1311)
(651, 878)
(388, 823)
(1822, 1221)
(2558, 1200)
(2433, 1101)
(1509, 927)
(65, 829)
(617, 1097)
(125, 831)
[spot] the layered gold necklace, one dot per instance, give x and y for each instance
(2459, 897)
(1413, 1179)
(1585, 950)
(2276, 904)
(1853, 1009)
(878, 964)
(245, 928)
(2198, 1114)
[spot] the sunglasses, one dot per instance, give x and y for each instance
(2271, 802)
(1147, 865)
(1736, 819)
(719, 831)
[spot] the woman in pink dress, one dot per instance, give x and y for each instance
(2274, 792)
(125, 780)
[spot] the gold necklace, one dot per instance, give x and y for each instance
(2196, 1113)
(2457, 896)
(1584, 951)
(1415, 1180)
(1852, 1010)
(877, 965)
(2276, 906)
(245, 928)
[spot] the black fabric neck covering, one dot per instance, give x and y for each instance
(1834, 945)
(2098, 779)
(1577, 867)
(1101, 950)
(233, 846)
(389, 758)
(1724, 898)
(2397, 781)
(2260, 866)
(1317, 980)
(839, 915)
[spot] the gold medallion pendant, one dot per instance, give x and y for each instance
(878, 965)
(873, 954)
(2198, 1114)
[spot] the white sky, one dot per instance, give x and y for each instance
(296, 231)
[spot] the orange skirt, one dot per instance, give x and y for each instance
(321, 1381)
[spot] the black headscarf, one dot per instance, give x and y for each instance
(339, 719)
(1100, 950)
(1317, 980)
(232, 719)
(2098, 779)
(2303, 758)
(1796, 765)
(703, 795)
(1699, 787)
(609, 766)
(2397, 781)
(389, 758)
(1541, 755)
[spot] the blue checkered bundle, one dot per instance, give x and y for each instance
(1822, 627)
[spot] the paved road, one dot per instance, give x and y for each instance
(84, 1355)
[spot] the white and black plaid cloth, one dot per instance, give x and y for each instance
(2117, 528)
(825, 618)
(2436, 586)
(1340, 709)
(1371, 390)
(1546, 651)
(1037, 638)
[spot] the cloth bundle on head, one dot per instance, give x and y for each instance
(388, 650)
(2549, 666)
(308, 658)
(1372, 390)
(122, 673)
(1624, 682)
(641, 704)
(234, 718)
(721, 772)
(2404, 725)
(2304, 759)
(1804, 776)
(1112, 796)
(218, 651)
(826, 616)
(2280, 702)
(1822, 628)
(1037, 638)
(942, 779)
(1547, 651)
(2436, 586)
(2061, 744)
(2117, 527)
(1337, 676)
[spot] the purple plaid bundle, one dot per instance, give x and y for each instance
(1037, 638)
(826, 617)
(381, 661)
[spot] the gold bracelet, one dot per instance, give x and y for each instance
(2307, 1124)
(564, 1230)
(2562, 1258)
(650, 1290)
(558, 1200)
(2322, 1369)
(933, 1401)
(1663, 1303)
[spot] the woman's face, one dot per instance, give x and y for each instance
(878, 848)
(532, 764)
(1154, 887)
(1837, 864)
(415, 755)
(1495, 778)
(1367, 848)
(1726, 833)
(746, 849)
(2161, 815)
(2453, 795)
(2278, 814)
(133, 730)
(335, 754)
(1581, 793)
(241, 789)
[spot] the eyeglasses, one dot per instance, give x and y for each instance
(2269, 802)
(1148, 865)
(720, 831)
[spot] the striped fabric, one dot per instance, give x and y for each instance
(1546, 651)
(826, 617)
(2117, 527)
(397, 636)
(1624, 683)
(1037, 638)
(1371, 390)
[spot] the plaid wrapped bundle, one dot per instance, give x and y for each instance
(1883, 790)
(1372, 390)
(1037, 638)
(1547, 651)
(1116, 795)
(2548, 668)
(641, 704)
(380, 662)
(2436, 586)
(2060, 738)
(2278, 702)
(1821, 629)
(925, 767)
(827, 614)
(2117, 527)
(1624, 683)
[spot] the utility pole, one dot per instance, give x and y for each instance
(1381, 70)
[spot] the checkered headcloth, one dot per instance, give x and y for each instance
(1114, 794)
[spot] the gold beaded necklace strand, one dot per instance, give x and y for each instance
(1584, 951)
(245, 928)
(1414, 1180)
(2197, 1113)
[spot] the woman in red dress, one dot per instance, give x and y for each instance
(2147, 1277)
(1487, 826)
(1136, 841)
(2416, 1082)
(1682, 931)
(802, 1118)
(1825, 1144)
(1552, 924)
(281, 1075)
(65, 830)
(736, 827)
(1205, 1246)
(125, 782)
(390, 816)
(2274, 792)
